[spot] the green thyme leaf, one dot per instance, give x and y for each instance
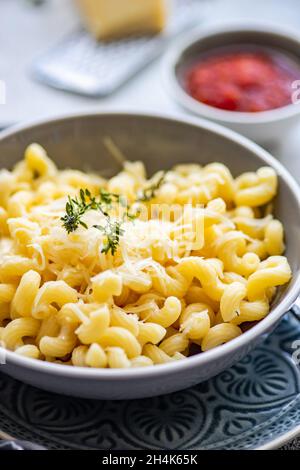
(76, 207)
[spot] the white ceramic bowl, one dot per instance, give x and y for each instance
(77, 142)
(267, 127)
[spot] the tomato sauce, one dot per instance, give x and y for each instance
(244, 79)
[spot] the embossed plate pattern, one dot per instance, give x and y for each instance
(248, 406)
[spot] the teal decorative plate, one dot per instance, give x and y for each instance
(254, 404)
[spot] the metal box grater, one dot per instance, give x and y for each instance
(80, 64)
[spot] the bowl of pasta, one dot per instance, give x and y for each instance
(140, 254)
(209, 71)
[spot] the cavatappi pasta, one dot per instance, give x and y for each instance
(201, 257)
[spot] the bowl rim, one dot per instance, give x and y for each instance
(207, 357)
(183, 98)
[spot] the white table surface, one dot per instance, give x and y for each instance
(26, 32)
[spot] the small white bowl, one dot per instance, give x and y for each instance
(266, 127)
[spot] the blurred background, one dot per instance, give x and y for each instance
(51, 65)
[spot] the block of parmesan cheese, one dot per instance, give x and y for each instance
(114, 19)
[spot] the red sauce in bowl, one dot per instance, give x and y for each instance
(244, 80)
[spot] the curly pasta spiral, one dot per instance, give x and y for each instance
(197, 253)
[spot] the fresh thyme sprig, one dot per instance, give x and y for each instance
(149, 193)
(76, 207)
(113, 231)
